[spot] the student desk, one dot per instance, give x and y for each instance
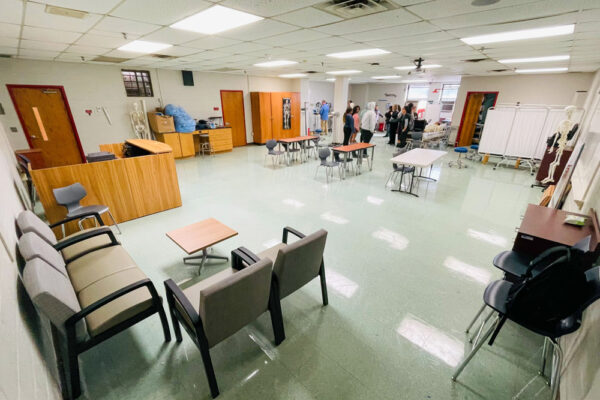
(300, 140)
(349, 148)
(131, 187)
(417, 158)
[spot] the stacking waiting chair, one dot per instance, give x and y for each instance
(271, 152)
(219, 306)
(399, 169)
(328, 165)
(549, 303)
(70, 198)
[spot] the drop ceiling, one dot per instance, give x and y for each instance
(301, 31)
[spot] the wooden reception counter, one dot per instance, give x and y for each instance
(131, 186)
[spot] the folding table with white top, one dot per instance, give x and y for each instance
(417, 158)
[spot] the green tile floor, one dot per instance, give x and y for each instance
(405, 276)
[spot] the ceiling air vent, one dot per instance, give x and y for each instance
(110, 59)
(66, 12)
(5, 56)
(310, 72)
(355, 8)
(500, 70)
(475, 60)
(163, 56)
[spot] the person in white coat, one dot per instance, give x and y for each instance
(367, 124)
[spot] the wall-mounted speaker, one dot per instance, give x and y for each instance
(188, 78)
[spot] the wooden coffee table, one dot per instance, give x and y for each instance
(199, 237)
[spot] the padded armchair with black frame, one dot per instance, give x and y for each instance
(217, 307)
(89, 299)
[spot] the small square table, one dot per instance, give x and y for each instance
(199, 237)
(417, 158)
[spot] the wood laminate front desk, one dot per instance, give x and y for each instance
(132, 187)
(220, 139)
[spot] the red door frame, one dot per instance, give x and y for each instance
(64, 96)
(462, 118)
(243, 110)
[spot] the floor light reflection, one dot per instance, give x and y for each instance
(293, 203)
(472, 272)
(336, 219)
(375, 200)
(340, 284)
(271, 242)
(489, 237)
(432, 340)
(395, 239)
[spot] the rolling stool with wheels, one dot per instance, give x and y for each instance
(458, 161)
(473, 153)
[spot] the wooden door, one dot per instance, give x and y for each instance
(232, 102)
(470, 117)
(261, 116)
(276, 116)
(296, 114)
(47, 122)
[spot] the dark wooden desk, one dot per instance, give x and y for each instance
(543, 228)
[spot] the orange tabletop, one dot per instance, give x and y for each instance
(297, 139)
(203, 234)
(353, 147)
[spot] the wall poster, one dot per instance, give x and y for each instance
(287, 113)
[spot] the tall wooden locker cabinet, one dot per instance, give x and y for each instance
(267, 115)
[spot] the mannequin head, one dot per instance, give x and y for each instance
(569, 110)
(136, 107)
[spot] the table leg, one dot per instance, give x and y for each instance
(203, 259)
(412, 178)
(345, 164)
(372, 157)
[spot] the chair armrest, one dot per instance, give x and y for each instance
(70, 323)
(174, 293)
(547, 253)
(69, 219)
(287, 230)
(243, 254)
(69, 241)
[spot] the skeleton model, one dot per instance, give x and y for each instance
(138, 122)
(564, 127)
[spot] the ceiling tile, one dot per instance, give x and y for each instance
(8, 50)
(393, 33)
(10, 30)
(448, 8)
(12, 11)
(50, 35)
(590, 15)
(94, 6)
(113, 24)
(9, 42)
(157, 12)
(268, 8)
(205, 56)
(178, 51)
(108, 42)
(211, 42)
(568, 18)
(40, 45)
(32, 53)
(381, 20)
(130, 36)
(36, 16)
(172, 36)
(125, 54)
(89, 50)
(308, 17)
(257, 30)
(303, 35)
(318, 44)
(246, 47)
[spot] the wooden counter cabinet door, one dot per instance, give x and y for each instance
(172, 139)
(261, 116)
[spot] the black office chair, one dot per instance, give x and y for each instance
(550, 303)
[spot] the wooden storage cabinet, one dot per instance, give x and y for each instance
(181, 143)
(267, 115)
(220, 139)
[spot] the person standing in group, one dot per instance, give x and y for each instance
(356, 117)
(394, 124)
(388, 116)
(403, 125)
(324, 117)
(348, 129)
(367, 124)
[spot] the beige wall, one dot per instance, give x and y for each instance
(26, 344)
(555, 89)
(89, 86)
(362, 93)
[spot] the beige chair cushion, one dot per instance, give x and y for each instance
(120, 309)
(84, 245)
(94, 266)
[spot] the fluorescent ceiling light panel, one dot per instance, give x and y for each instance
(215, 20)
(275, 63)
(142, 46)
(521, 35)
(359, 53)
(533, 59)
(344, 72)
(386, 77)
(408, 67)
(292, 75)
(541, 70)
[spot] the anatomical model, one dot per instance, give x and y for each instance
(138, 122)
(564, 127)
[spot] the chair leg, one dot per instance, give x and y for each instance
(475, 337)
(114, 222)
(323, 284)
(475, 319)
(276, 315)
(208, 368)
(556, 369)
(73, 368)
(164, 323)
(475, 349)
(174, 321)
(542, 370)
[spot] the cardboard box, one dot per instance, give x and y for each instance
(161, 123)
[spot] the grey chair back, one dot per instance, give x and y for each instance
(271, 143)
(27, 222)
(31, 246)
(416, 135)
(298, 263)
(234, 302)
(323, 155)
(53, 295)
(70, 196)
